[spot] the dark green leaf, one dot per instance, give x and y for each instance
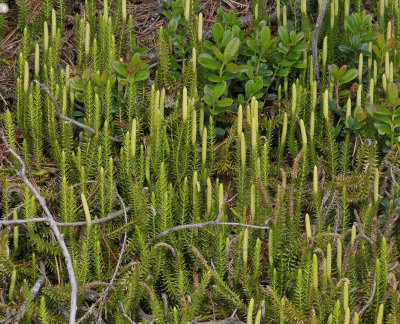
(348, 76)
(141, 75)
(282, 72)
(248, 88)
(78, 113)
(231, 48)
(300, 65)
(172, 26)
(79, 86)
(226, 102)
(393, 93)
(232, 67)
(217, 32)
(219, 89)
(219, 132)
(252, 44)
(356, 41)
(351, 24)
(346, 49)
(217, 110)
(284, 35)
(218, 53)
(382, 128)
(120, 68)
(353, 124)
(209, 62)
(243, 68)
(265, 36)
(299, 48)
(215, 78)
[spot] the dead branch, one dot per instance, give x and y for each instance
(222, 207)
(370, 299)
(97, 283)
(230, 320)
(71, 273)
(35, 289)
(17, 208)
(362, 234)
(314, 38)
(224, 321)
(121, 306)
(263, 191)
(104, 294)
(61, 224)
(120, 254)
(7, 317)
(205, 224)
(70, 120)
(202, 225)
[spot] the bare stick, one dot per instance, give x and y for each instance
(38, 220)
(60, 224)
(370, 299)
(104, 294)
(21, 174)
(206, 224)
(393, 178)
(314, 38)
(35, 289)
(222, 207)
(70, 120)
(202, 225)
(263, 191)
(121, 306)
(13, 210)
(362, 234)
(7, 317)
(230, 320)
(225, 321)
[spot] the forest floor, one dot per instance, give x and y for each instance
(147, 16)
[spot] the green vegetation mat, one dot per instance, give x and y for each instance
(246, 171)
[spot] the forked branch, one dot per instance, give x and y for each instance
(68, 261)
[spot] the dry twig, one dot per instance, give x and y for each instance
(61, 224)
(362, 234)
(70, 120)
(71, 273)
(202, 225)
(121, 306)
(104, 294)
(35, 289)
(314, 38)
(370, 299)
(216, 222)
